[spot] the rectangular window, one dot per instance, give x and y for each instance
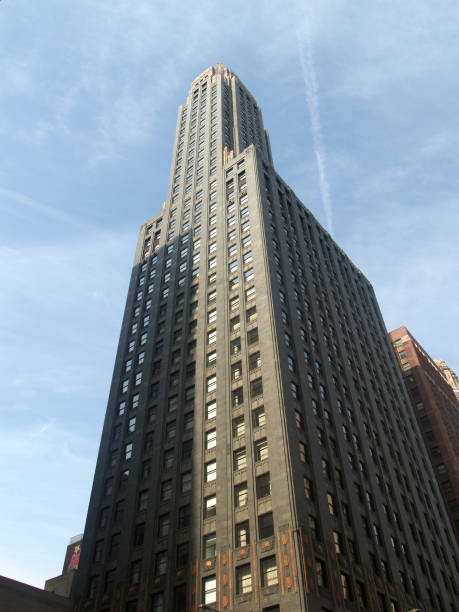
(211, 471)
(211, 439)
(239, 459)
(209, 590)
(186, 482)
(268, 571)
(209, 545)
(261, 449)
(166, 490)
(211, 383)
(266, 525)
(210, 506)
(263, 485)
(211, 410)
(256, 387)
(240, 495)
(242, 534)
(243, 579)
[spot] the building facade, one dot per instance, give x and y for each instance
(450, 376)
(258, 451)
(437, 411)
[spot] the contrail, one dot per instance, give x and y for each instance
(312, 99)
(44, 209)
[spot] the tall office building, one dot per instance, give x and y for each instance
(437, 411)
(258, 451)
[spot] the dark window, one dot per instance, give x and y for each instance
(256, 387)
(263, 485)
(184, 516)
(139, 534)
(266, 525)
(182, 554)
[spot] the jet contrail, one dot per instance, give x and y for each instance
(312, 99)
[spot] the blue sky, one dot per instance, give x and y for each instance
(360, 99)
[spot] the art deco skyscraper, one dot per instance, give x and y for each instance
(258, 451)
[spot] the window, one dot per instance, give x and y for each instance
(170, 431)
(211, 439)
(263, 485)
(259, 417)
(240, 495)
(114, 544)
(252, 336)
(346, 586)
(239, 459)
(209, 590)
(131, 424)
(146, 469)
(161, 563)
(211, 358)
(134, 574)
(265, 525)
(331, 504)
(250, 293)
(251, 315)
(237, 397)
(268, 571)
(128, 451)
(139, 534)
(212, 337)
(294, 390)
(211, 383)
(209, 544)
(256, 387)
(142, 500)
(188, 421)
(261, 449)
(308, 489)
(210, 506)
(254, 360)
(243, 579)
(186, 482)
(238, 427)
(211, 410)
(337, 541)
(184, 516)
(211, 471)
(242, 534)
(321, 573)
(166, 490)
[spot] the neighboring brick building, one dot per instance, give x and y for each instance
(437, 411)
(63, 584)
(259, 452)
(450, 376)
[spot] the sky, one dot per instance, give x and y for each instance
(360, 100)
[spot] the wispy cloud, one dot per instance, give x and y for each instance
(25, 201)
(44, 453)
(312, 98)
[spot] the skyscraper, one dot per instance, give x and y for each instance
(437, 411)
(258, 451)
